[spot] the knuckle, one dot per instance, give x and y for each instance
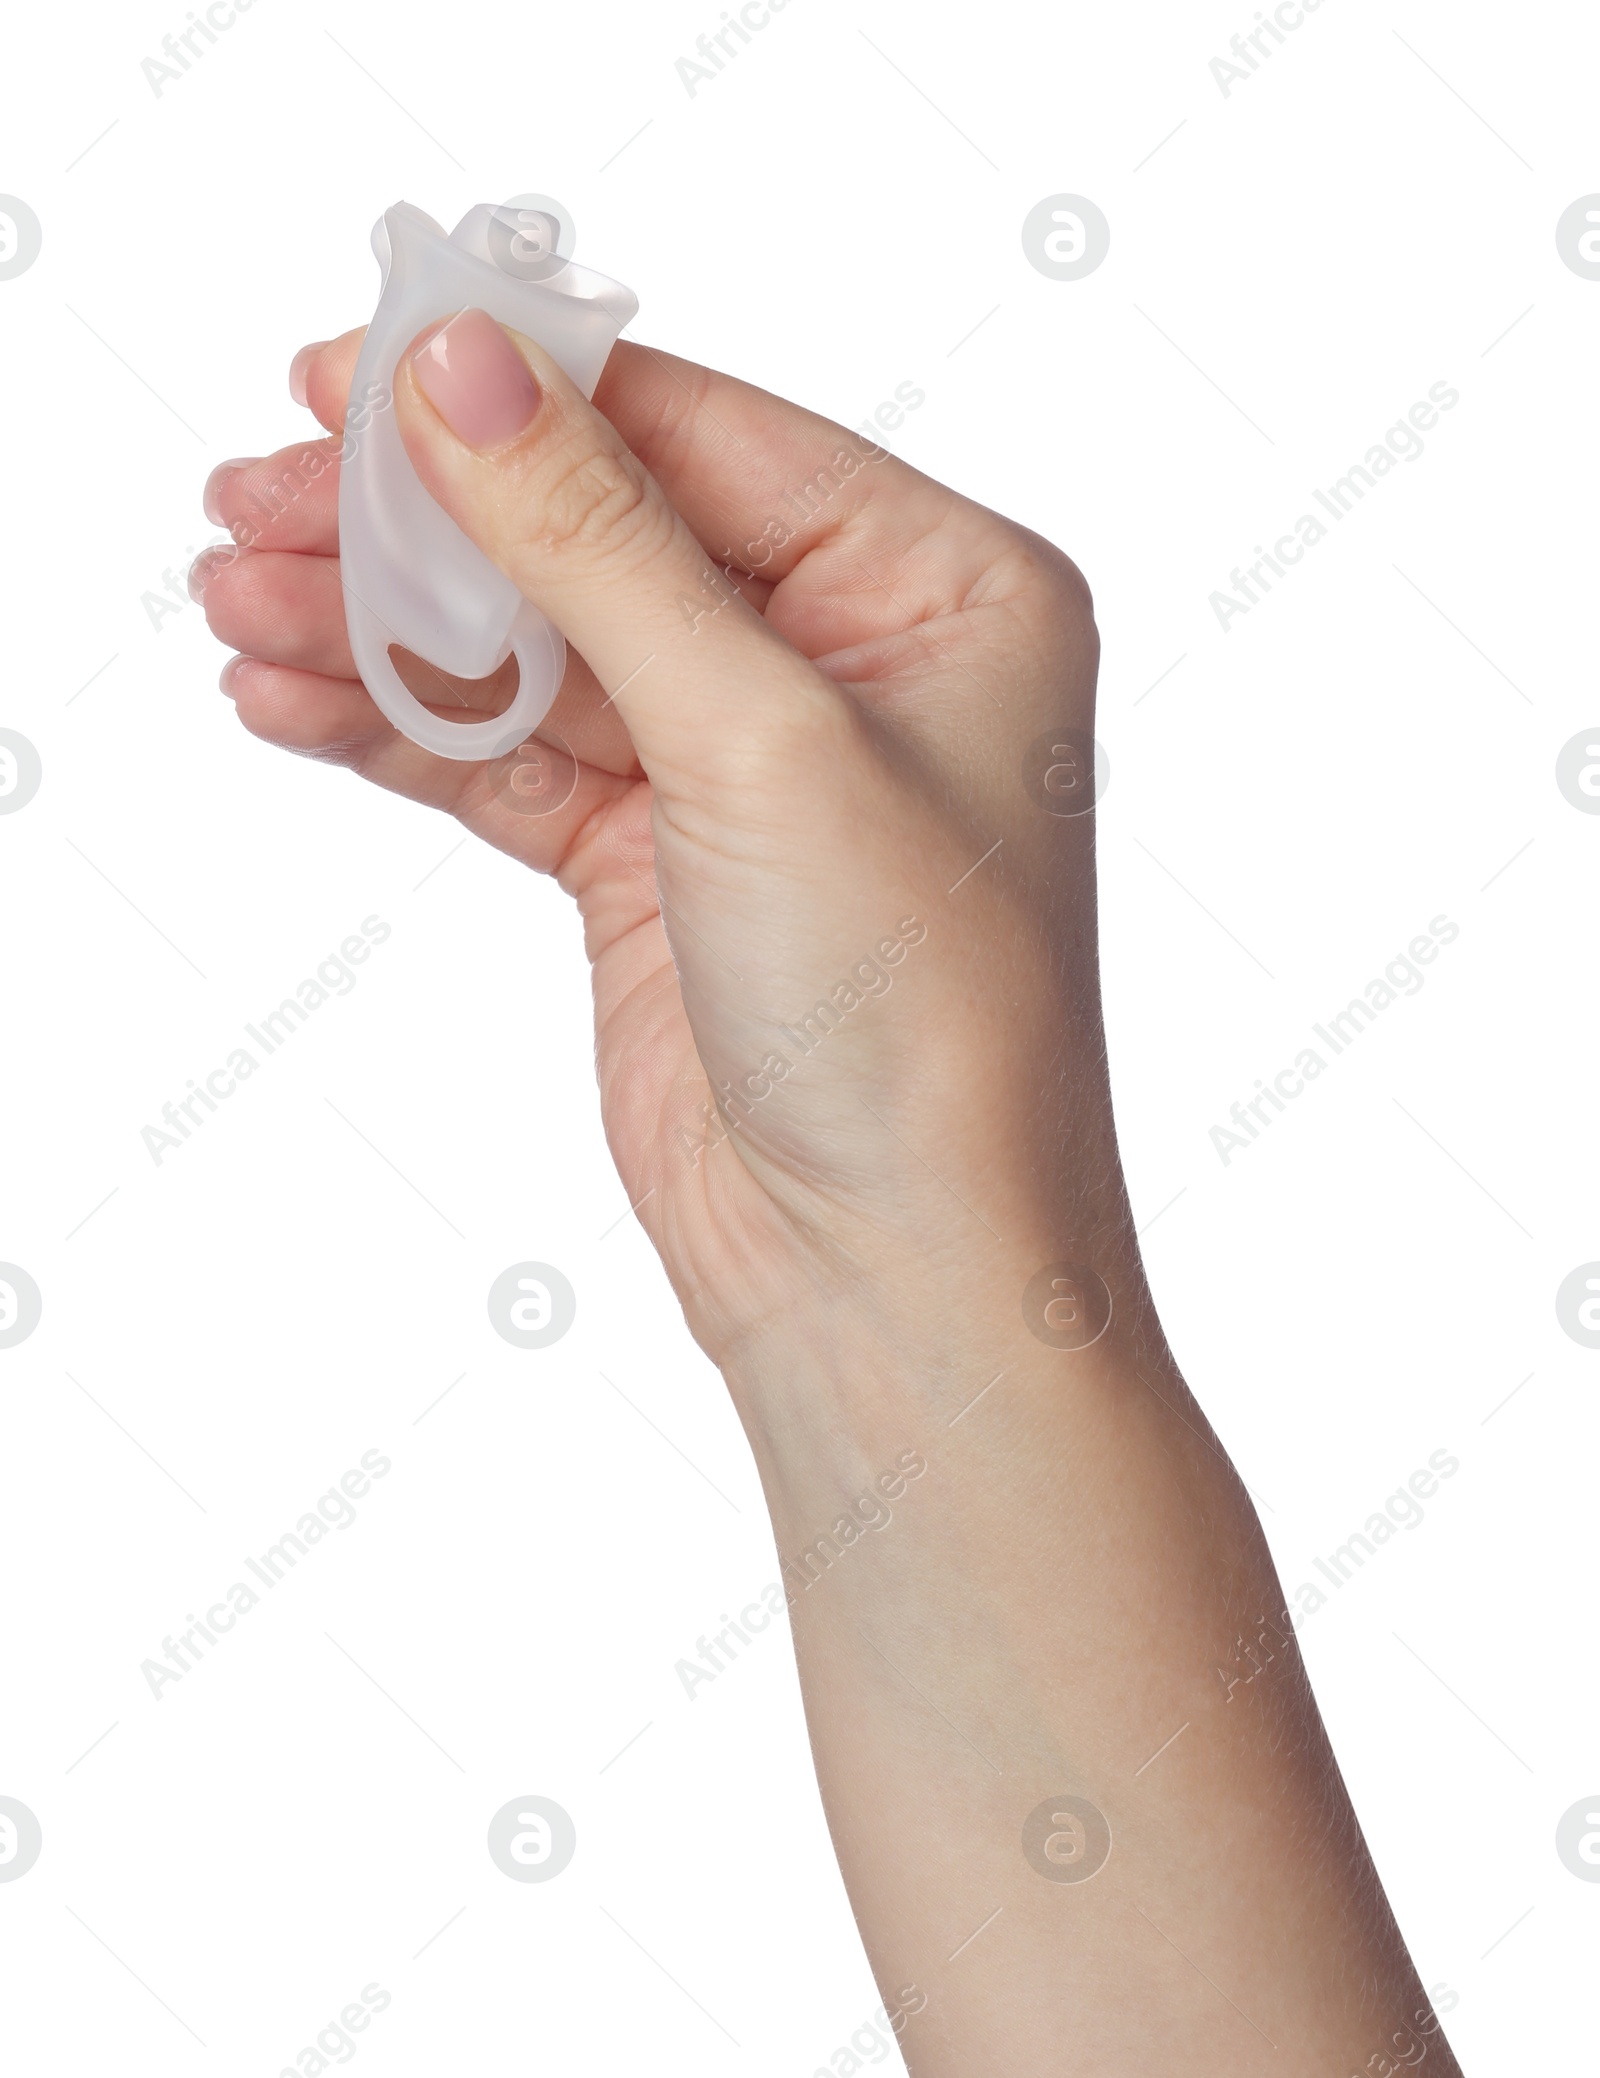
(214, 581)
(1052, 572)
(805, 727)
(266, 499)
(600, 504)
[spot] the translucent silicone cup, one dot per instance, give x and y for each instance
(411, 577)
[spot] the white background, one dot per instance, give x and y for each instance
(1372, 746)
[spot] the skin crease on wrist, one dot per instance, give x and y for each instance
(852, 1072)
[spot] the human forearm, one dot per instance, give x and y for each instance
(1052, 1610)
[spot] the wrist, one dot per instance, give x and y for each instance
(906, 1346)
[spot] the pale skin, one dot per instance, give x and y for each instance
(835, 774)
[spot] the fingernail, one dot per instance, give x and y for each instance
(228, 677)
(476, 380)
(300, 368)
(205, 566)
(214, 482)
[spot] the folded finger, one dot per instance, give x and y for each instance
(283, 609)
(532, 804)
(320, 377)
(313, 713)
(289, 610)
(288, 500)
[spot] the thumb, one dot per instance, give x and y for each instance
(549, 490)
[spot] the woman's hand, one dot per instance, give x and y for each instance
(840, 941)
